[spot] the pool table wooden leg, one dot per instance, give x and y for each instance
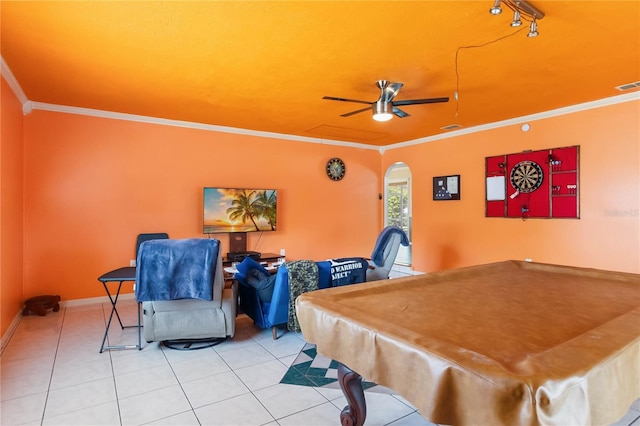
(351, 384)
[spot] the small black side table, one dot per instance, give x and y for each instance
(119, 275)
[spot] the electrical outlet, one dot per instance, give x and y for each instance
(282, 252)
(528, 259)
(132, 262)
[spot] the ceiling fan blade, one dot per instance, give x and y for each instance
(331, 98)
(420, 101)
(399, 113)
(355, 112)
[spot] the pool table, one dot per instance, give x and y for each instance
(504, 343)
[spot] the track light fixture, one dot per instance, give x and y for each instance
(496, 9)
(521, 9)
(516, 19)
(533, 28)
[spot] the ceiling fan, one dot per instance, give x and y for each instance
(385, 107)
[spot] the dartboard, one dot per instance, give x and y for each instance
(526, 176)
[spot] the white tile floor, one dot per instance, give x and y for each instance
(52, 374)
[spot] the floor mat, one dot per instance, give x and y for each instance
(313, 369)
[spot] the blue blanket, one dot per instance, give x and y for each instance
(176, 269)
(378, 253)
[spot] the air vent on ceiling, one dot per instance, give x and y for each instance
(451, 127)
(628, 86)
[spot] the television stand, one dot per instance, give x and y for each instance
(239, 256)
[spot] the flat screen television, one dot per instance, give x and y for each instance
(239, 210)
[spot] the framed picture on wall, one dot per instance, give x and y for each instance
(446, 188)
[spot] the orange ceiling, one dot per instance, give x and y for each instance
(266, 65)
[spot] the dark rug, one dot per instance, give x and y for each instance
(313, 369)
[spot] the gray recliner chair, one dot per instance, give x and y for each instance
(385, 252)
(181, 286)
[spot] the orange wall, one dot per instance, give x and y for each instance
(93, 184)
(456, 233)
(11, 207)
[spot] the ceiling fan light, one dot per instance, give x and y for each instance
(496, 9)
(382, 116)
(382, 111)
(516, 19)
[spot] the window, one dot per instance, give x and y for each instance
(398, 205)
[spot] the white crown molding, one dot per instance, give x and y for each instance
(28, 106)
(15, 86)
(191, 125)
(627, 97)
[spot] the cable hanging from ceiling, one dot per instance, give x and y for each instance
(522, 9)
(455, 95)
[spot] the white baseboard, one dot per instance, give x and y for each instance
(91, 300)
(9, 333)
(398, 271)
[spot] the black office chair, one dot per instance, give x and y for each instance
(146, 237)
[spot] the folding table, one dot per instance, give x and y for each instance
(119, 275)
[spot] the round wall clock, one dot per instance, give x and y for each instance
(526, 176)
(335, 169)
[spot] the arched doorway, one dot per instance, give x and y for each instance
(397, 205)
